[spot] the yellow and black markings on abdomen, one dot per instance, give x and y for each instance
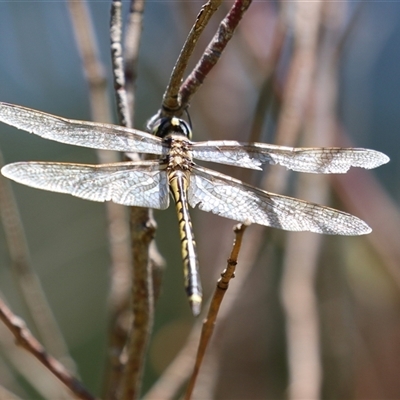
(179, 183)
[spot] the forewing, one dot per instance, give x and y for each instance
(231, 198)
(142, 184)
(79, 133)
(323, 160)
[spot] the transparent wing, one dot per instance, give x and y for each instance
(323, 160)
(79, 133)
(231, 198)
(143, 184)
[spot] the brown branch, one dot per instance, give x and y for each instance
(171, 104)
(26, 340)
(213, 52)
(142, 303)
(209, 322)
(121, 96)
(125, 64)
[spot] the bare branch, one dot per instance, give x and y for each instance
(171, 104)
(124, 116)
(142, 303)
(25, 339)
(209, 322)
(213, 51)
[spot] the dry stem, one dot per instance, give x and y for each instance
(26, 340)
(209, 322)
(171, 104)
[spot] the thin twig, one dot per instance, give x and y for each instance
(213, 52)
(171, 104)
(209, 322)
(26, 340)
(21, 364)
(142, 303)
(123, 106)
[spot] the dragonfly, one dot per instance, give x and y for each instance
(149, 183)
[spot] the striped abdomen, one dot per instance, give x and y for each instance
(178, 181)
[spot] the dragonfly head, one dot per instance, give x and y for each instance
(166, 126)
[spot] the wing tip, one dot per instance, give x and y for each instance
(358, 227)
(6, 170)
(384, 159)
(377, 160)
(363, 229)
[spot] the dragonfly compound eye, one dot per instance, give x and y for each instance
(167, 126)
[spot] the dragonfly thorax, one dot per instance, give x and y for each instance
(167, 126)
(179, 156)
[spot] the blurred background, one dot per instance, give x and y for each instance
(344, 340)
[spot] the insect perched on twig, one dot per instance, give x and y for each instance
(149, 183)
